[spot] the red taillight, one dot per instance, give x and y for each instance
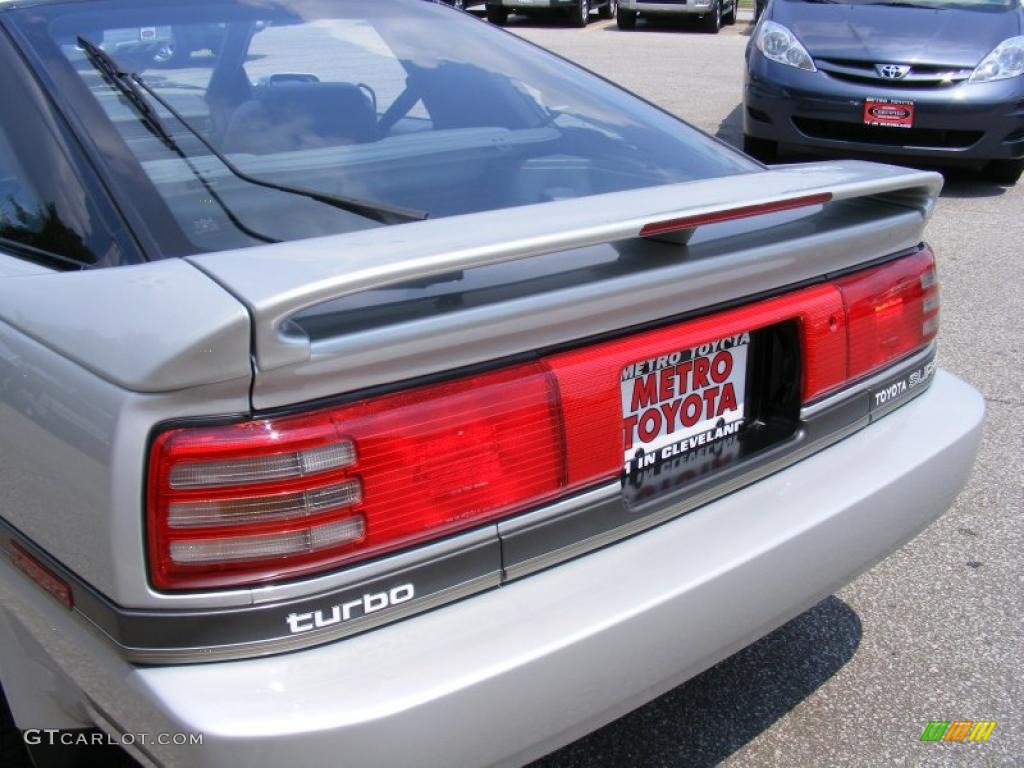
(891, 310)
(281, 497)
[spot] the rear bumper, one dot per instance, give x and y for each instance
(969, 123)
(515, 672)
(587, 641)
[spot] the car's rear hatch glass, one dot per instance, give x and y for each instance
(398, 103)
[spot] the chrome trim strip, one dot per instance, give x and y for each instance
(608, 492)
(948, 77)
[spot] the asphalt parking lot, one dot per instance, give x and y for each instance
(934, 632)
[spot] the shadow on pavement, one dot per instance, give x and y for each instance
(549, 19)
(730, 130)
(668, 23)
(710, 717)
(962, 184)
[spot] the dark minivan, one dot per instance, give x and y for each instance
(936, 79)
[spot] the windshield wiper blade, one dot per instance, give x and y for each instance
(103, 63)
(126, 84)
(382, 212)
(132, 81)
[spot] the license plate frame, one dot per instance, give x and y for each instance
(889, 113)
(683, 400)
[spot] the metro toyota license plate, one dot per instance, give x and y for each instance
(889, 113)
(682, 401)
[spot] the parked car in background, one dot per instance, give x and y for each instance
(711, 14)
(178, 43)
(182, 41)
(137, 44)
(934, 80)
(389, 391)
(576, 12)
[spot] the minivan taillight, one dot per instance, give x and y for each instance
(281, 497)
(285, 496)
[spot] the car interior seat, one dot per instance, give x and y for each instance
(285, 117)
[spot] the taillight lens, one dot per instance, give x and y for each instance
(891, 310)
(280, 497)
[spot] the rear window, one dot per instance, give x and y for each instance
(398, 104)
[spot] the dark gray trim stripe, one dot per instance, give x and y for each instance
(176, 636)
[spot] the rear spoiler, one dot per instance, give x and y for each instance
(278, 281)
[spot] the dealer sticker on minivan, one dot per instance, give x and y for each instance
(681, 401)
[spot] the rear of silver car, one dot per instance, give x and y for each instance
(533, 607)
(451, 491)
(514, 672)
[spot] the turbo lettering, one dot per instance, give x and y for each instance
(369, 603)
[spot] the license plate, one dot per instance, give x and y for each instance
(683, 400)
(889, 113)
